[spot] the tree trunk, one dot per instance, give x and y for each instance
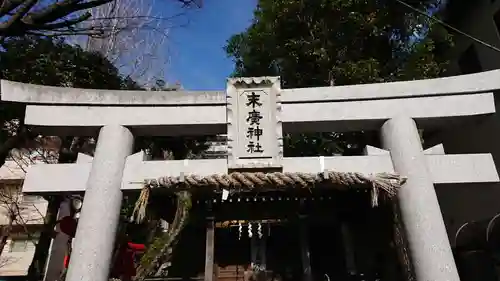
(6, 231)
(3, 241)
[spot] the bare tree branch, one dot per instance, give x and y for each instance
(191, 3)
(8, 6)
(21, 12)
(135, 38)
(59, 10)
(25, 17)
(67, 23)
(21, 17)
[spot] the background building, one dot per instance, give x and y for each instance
(19, 249)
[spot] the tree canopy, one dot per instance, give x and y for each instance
(339, 42)
(55, 63)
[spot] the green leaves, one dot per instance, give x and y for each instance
(55, 63)
(341, 42)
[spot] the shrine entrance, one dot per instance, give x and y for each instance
(256, 115)
(273, 250)
(292, 237)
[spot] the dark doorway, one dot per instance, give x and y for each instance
(233, 254)
(327, 252)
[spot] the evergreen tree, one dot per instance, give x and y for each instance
(339, 42)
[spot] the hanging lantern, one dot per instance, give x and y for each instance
(76, 206)
(76, 202)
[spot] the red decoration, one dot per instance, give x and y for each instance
(137, 247)
(67, 225)
(124, 266)
(66, 261)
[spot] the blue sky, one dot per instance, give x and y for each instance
(198, 60)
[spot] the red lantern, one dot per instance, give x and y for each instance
(124, 266)
(67, 225)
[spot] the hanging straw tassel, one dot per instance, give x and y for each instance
(139, 212)
(374, 193)
(390, 183)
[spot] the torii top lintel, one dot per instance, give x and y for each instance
(338, 108)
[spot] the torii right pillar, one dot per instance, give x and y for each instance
(430, 248)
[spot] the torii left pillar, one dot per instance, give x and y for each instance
(98, 222)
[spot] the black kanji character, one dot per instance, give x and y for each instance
(254, 132)
(254, 147)
(253, 100)
(254, 117)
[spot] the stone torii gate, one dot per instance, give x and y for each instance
(254, 112)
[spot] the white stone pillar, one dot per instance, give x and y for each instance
(58, 247)
(98, 222)
(430, 249)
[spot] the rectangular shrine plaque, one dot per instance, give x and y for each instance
(254, 127)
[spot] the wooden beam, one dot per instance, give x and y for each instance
(136, 171)
(429, 112)
(462, 168)
(487, 81)
(315, 117)
(305, 254)
(143, 120)
(56, 178)
(209, 251)
(349, 253)
(38, 94)
(360, 164)
(51, 178)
